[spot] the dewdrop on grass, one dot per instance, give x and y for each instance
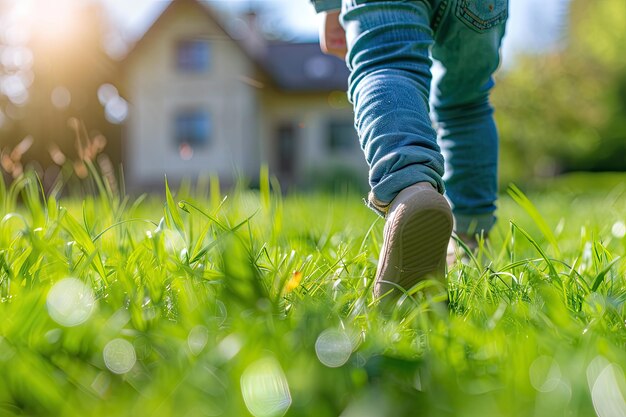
(119, 356)
(70, 302)
(265, 389)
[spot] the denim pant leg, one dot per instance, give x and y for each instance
(388, 55)
(469, 55)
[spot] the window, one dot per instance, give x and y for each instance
(193, 55)
(192, 130)
(286, 148)
(342, 136)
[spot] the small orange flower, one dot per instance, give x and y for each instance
(293, 283)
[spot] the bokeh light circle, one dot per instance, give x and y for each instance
(333, 348)
(265, 389)
(618, 230)
(119, 356)
(545, 374)
(607, 384)
(70, 302)
(197, 339)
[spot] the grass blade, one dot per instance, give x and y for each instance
(553, 273)
(524, 202)
(171, 210)
(600, 277)
(82, 238)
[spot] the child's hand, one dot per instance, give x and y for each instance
(332, 35)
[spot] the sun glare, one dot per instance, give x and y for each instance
(51, 21)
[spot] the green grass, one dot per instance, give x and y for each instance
(202, 304)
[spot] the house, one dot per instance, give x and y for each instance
(211, 96)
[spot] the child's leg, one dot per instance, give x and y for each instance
(388, 54)
(469, 54)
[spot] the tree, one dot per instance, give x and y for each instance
(564, 111)
(57, 69)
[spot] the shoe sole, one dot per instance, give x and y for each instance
(417, 249)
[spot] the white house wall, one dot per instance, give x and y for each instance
(312, 113)
(157, 90)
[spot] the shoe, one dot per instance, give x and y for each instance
(417, 231)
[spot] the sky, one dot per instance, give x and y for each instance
(534, 25)
(294, 17)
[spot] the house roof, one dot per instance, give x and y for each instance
(290, 66)
(171, 9)
(303, 67)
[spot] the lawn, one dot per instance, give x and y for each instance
(206, 303)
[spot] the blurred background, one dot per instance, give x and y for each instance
(190, 88)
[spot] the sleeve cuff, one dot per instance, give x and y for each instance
(326, 5)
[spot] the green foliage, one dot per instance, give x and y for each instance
(563, 111)
(255, 304)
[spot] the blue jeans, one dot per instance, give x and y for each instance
(390, 46)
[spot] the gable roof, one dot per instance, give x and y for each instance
(170, 9)
(290, 66)
(303, 67)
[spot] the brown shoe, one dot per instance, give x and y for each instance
(417, 231)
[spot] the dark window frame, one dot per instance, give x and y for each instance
(193, 55)
(341, 136)
(286, 143)
(193, 126)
